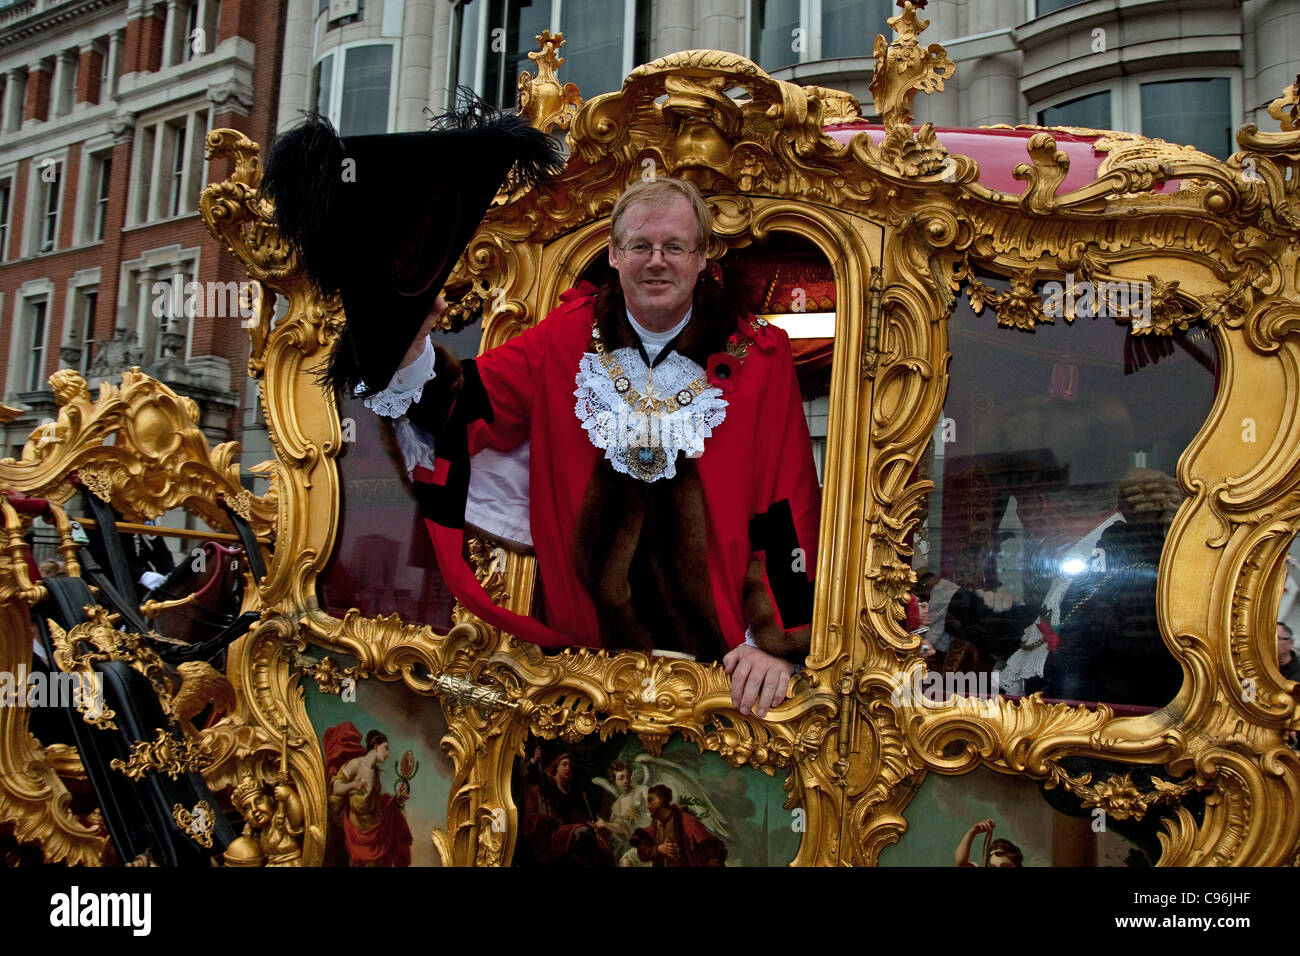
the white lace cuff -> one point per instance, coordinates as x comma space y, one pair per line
406, 387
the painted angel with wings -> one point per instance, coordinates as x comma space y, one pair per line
625, 811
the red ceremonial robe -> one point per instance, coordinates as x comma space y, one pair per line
761, 498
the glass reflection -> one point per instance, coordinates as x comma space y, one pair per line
1053, 466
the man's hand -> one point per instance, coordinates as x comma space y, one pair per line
758, 679
416, 348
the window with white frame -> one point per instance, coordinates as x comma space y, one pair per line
103, 183
168, 166
176, 167
1184, 107
358, 95
49, 178
491, 40
6, 202
195, 30
84, 330
94, 195
34, 339
162, 300
785, 32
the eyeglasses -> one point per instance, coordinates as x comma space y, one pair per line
672, 251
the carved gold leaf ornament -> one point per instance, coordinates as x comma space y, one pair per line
163, 754
546, 102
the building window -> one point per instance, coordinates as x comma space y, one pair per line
603, 47
785, 32
168, 165
342, 11
358, 98
777, 33
188, 51
104, 180
49, 175
850, 27
86, 327
6, 189
176, 170
1191, 112
492, 40
1088, 112
1044, 7
164, 302
36, 346
1187, 110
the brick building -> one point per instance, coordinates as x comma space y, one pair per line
104, 107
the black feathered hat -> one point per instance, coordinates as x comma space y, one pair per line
383, 219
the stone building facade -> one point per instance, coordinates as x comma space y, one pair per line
104, 109
1171, 68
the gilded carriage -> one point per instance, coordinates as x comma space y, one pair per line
976, 416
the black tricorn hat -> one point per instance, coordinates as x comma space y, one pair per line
383, 219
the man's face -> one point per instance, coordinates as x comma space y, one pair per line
653, 803
658, 289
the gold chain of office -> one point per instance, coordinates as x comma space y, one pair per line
650, 402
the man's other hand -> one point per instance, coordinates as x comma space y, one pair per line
758, 680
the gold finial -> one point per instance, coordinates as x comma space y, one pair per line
903, 68
1286, 108
544, 100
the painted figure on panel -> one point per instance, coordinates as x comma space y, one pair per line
374, 829
624, 810
558, 820
676, 837
996, 852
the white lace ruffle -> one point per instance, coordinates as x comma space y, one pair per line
406, 387
640, 444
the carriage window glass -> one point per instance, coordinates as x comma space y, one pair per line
1054, 468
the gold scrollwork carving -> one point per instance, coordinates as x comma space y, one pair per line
164, 754
196, 825
546, 102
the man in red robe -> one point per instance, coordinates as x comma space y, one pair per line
675, 506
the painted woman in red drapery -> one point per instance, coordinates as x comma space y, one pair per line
374, 828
